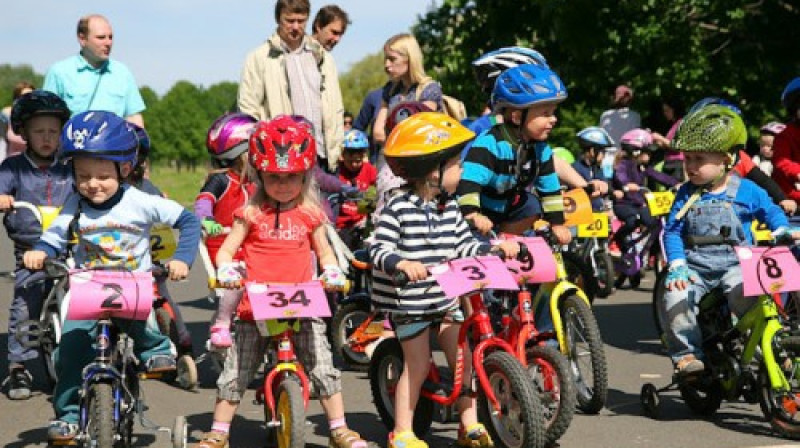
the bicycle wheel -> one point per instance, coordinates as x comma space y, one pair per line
703, 396
556, 388
585, 353
580, 273
291, 414
100, 427
48, 342
605, 275
779, 406
346, 320
520, 423
384, 372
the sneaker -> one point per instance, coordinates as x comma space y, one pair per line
613, 249
213, 439
220, 337
20, 383
475, 436
689, 365
59, 430
160, 363
405, 439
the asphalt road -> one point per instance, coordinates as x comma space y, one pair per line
634, 357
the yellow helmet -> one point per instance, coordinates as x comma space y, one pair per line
421, 142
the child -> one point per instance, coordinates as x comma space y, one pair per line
112, 221
226, 189
506, 160
277, 232
420, 226
713, 199
593, 142
34, 176
354, 170
630, 174
764, 157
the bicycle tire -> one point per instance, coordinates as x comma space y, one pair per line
340, 332
48, 345
580, 273
703, 397
291, 414
605, 274
514, 390
581, 326
553, 382
101, 427
384, 371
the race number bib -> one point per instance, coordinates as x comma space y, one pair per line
162, 242
467, 275
98, 294
767, 270
577, 207
659, 203
539, 267
598, 228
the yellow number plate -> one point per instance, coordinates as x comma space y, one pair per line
598, 228
162, 242
761, 232
659, 203
49, 213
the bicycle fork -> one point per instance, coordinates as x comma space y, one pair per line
286, 362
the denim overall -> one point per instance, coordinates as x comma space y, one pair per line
715, 266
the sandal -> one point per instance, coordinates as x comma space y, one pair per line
220, 337
475, 436
346, 438
213, 439
405, 439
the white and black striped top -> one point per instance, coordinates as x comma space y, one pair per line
412, 229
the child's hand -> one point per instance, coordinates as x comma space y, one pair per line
619, 194
178, 270
6, 202
600, 188
415, 270
211, 226
679, 276
509, 247
333, 278
788, 206
632, 187
562, 234
34, 259
229, 276
481, 223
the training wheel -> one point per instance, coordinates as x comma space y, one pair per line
186, 372
649, 400
180, 431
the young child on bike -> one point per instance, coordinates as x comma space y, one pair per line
226, 189
593, 142
421, 225
354, 170
513, 156
279, 231
631, 173
764, 157
35, 176
712, 200
112, 222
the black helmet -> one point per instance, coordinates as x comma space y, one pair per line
36, 103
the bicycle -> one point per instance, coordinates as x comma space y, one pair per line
110, 395
756, 357
592, 244
507, 400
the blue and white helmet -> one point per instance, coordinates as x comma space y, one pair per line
490, 65
594, 137
355, 140
526, 85
791, 94
100, 135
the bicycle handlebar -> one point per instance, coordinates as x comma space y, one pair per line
400, 278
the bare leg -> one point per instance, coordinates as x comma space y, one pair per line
416, 363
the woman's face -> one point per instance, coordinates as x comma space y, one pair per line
394, 63
669, 112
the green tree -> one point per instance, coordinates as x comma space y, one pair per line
363, 76
10, 75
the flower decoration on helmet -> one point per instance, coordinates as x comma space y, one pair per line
284, 144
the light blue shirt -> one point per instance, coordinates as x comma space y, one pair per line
75, 80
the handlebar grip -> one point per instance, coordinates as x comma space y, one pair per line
707, 240
400, 279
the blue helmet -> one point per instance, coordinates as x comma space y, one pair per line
709, 100
144, 141
594, 137
101, 135
490, 65
523, 86
355, 139
791, 94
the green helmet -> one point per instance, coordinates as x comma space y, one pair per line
713, 128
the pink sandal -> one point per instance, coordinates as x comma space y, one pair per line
220, 337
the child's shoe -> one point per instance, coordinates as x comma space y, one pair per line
220, 337
613, 249
476, 436
160, 363
405, 439
346, 438
20, 383
61, 431
213, 439
689, 365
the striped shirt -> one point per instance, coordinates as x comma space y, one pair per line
410, 228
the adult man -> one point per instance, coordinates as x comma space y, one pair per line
91, 80
329, 26
291, 73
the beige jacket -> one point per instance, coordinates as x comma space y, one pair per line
264, 90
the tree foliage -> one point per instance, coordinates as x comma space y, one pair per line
742, 50
365, 75
10, 75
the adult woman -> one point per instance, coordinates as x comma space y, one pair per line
408, 81
15, 143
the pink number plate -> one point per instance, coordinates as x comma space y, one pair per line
767, 270
98, 294
466, 275
540, 267
287, 301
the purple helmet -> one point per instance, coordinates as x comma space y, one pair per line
228, 136
773, 128
636, 140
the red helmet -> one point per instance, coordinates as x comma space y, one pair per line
403, 110
284, 144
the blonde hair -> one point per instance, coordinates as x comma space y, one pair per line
406, 45
309, 199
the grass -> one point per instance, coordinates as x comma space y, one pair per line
180, 186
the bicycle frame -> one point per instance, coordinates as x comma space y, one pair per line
286, 364
763, 322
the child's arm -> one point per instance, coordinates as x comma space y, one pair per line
7, 187
478, 172
227, 271
332, 275
55, 239
680, 275
206, 200
189, 235
660, 177
548, 186
765, 210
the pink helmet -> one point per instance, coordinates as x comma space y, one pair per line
228, 136
636, 141
773, 128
